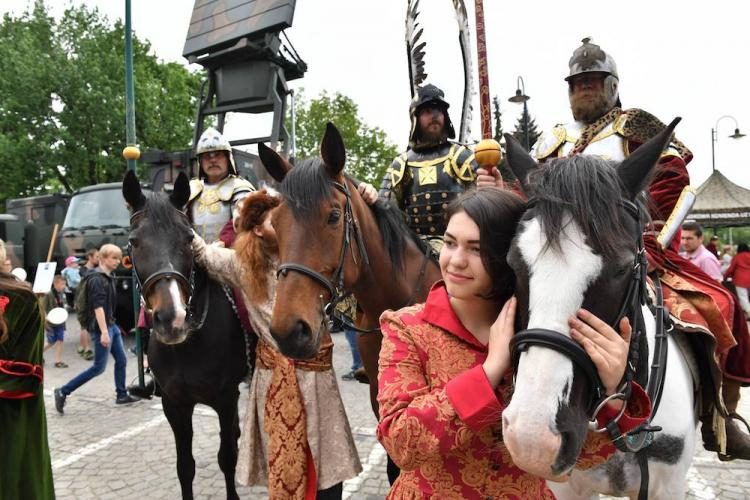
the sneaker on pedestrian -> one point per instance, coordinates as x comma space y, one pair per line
59, 401
60, 364
126, 400
348, 376
80, 350
88, 355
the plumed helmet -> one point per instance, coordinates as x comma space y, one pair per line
590, 58
428, 94
213, 140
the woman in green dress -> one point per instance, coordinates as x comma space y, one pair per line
25, 466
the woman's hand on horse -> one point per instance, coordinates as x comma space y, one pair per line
607, 349
489, 179
498, 345
368, 192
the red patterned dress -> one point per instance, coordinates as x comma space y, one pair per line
440, 420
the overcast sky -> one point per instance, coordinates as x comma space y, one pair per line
674, 59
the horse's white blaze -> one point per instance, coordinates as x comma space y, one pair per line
179, 307
557, 283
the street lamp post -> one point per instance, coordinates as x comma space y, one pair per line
521, 97
715, 137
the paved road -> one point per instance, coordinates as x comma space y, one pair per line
103, 451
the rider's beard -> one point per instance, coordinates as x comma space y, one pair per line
588, 106
427, 138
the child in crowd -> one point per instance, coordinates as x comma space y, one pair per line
55, 332
72, 276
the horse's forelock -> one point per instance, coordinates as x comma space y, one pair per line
589, 189
305, 187
162, 213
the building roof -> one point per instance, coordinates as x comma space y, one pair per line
720, 202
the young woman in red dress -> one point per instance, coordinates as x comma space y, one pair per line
445, 368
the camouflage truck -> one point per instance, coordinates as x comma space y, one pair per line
97, 215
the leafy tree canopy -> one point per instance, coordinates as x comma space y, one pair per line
368, 151
62, 100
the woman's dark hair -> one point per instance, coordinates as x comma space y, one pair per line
742, 247
497, 213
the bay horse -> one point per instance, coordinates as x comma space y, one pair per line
197, 348
580, 244
330, 241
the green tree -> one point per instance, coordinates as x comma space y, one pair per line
368, 151
520, 131
62, 100
498, 119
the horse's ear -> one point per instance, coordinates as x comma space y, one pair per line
634, 171
332, 150
520, 161
131, 191
273, 162
181, 192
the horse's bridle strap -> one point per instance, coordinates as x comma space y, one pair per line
322, 280
563, 344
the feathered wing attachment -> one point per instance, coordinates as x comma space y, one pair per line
414, 48
464, 40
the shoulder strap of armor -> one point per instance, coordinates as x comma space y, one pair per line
639, 126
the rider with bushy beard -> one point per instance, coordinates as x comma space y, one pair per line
433, 171
696, 301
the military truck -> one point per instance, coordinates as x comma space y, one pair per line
97, 215
31, 230
11, 232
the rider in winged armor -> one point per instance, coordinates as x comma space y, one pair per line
695, 300
215, 194
433, 171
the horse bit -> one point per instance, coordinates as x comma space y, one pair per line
636, 295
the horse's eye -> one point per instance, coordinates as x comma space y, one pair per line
334, 217
133, 242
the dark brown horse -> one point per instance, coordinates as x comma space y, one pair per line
197, 350
330, 241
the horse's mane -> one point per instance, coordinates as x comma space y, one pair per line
308, 184
589, 189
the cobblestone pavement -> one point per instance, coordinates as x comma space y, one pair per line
103, 451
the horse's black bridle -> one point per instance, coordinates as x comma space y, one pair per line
335, 285
187, 284
635, 297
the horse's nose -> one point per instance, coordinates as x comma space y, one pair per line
163, 317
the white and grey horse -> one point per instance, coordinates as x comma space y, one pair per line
579, 245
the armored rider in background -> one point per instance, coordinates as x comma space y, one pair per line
695, 300
215, 194
433, 171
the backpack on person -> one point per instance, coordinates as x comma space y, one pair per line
80, 302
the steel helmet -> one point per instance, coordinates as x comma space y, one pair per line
213, 140
590, 58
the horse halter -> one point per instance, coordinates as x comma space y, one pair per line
630, 307
167, 272
335, 285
